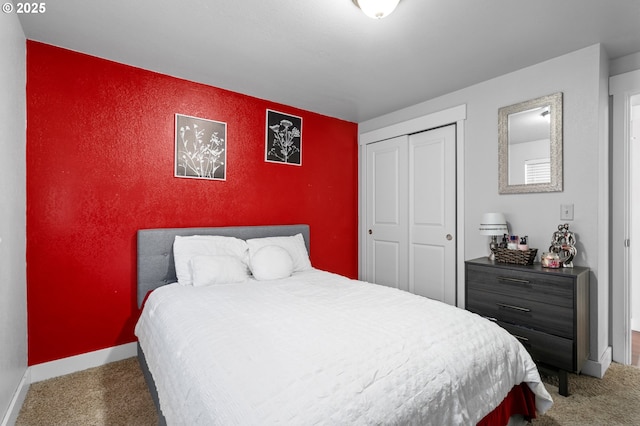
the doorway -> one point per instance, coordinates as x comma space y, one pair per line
634, 228
625, 214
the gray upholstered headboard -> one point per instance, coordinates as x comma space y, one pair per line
155, 249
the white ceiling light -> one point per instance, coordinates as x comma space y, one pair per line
377, 9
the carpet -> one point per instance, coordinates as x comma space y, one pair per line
116, 394
112, 394
613, 400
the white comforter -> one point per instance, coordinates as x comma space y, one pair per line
318, 348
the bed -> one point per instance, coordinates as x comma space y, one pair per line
291, 344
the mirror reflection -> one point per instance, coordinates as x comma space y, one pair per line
530, 146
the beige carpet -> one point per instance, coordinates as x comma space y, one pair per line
116, 394
113, 394
614, 400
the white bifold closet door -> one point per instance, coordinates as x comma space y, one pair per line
411, 213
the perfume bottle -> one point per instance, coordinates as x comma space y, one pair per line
523, 244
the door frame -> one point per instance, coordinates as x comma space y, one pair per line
621, 88
454, 115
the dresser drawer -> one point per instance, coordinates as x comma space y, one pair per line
547, 310
556, 320
541, 287
551, 350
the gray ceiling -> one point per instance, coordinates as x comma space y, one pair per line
328, 57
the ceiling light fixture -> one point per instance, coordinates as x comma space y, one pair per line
377, 9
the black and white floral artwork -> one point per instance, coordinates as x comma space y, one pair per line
201, 148
284, 138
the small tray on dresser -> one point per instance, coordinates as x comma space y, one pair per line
518, 257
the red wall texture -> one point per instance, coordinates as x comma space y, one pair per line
100, 158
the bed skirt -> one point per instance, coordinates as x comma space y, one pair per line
519, 401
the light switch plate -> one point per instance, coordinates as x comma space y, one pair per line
566, 212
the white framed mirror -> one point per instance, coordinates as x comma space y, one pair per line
530, 146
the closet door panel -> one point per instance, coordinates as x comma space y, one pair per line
387, 193
428, 181
386, 255
428, 278
432, 195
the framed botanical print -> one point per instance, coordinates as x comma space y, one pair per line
283, 138
200, 148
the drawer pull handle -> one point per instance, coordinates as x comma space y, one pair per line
523, 339
515, 308
513, 280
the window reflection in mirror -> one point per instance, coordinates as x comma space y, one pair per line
530, 146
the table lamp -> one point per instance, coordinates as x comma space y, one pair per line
493, 224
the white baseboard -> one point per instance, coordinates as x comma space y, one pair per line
11, 416
60, 367
598, 368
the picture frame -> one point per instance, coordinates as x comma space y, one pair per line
200, 148
283, 140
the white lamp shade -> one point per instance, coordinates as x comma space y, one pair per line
493, 224
377, 9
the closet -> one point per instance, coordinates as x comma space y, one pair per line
410, 213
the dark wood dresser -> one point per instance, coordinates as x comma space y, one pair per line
547, 310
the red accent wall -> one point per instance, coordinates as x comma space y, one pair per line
100, 155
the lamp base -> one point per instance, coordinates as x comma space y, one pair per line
493, 245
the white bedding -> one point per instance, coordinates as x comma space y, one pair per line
318, 348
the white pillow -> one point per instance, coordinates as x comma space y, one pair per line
210, 270
184, 248
293, 245
271, 263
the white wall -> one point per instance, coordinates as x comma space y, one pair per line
582, 77
13, 311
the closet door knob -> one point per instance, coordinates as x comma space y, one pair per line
449, 237
370, 232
